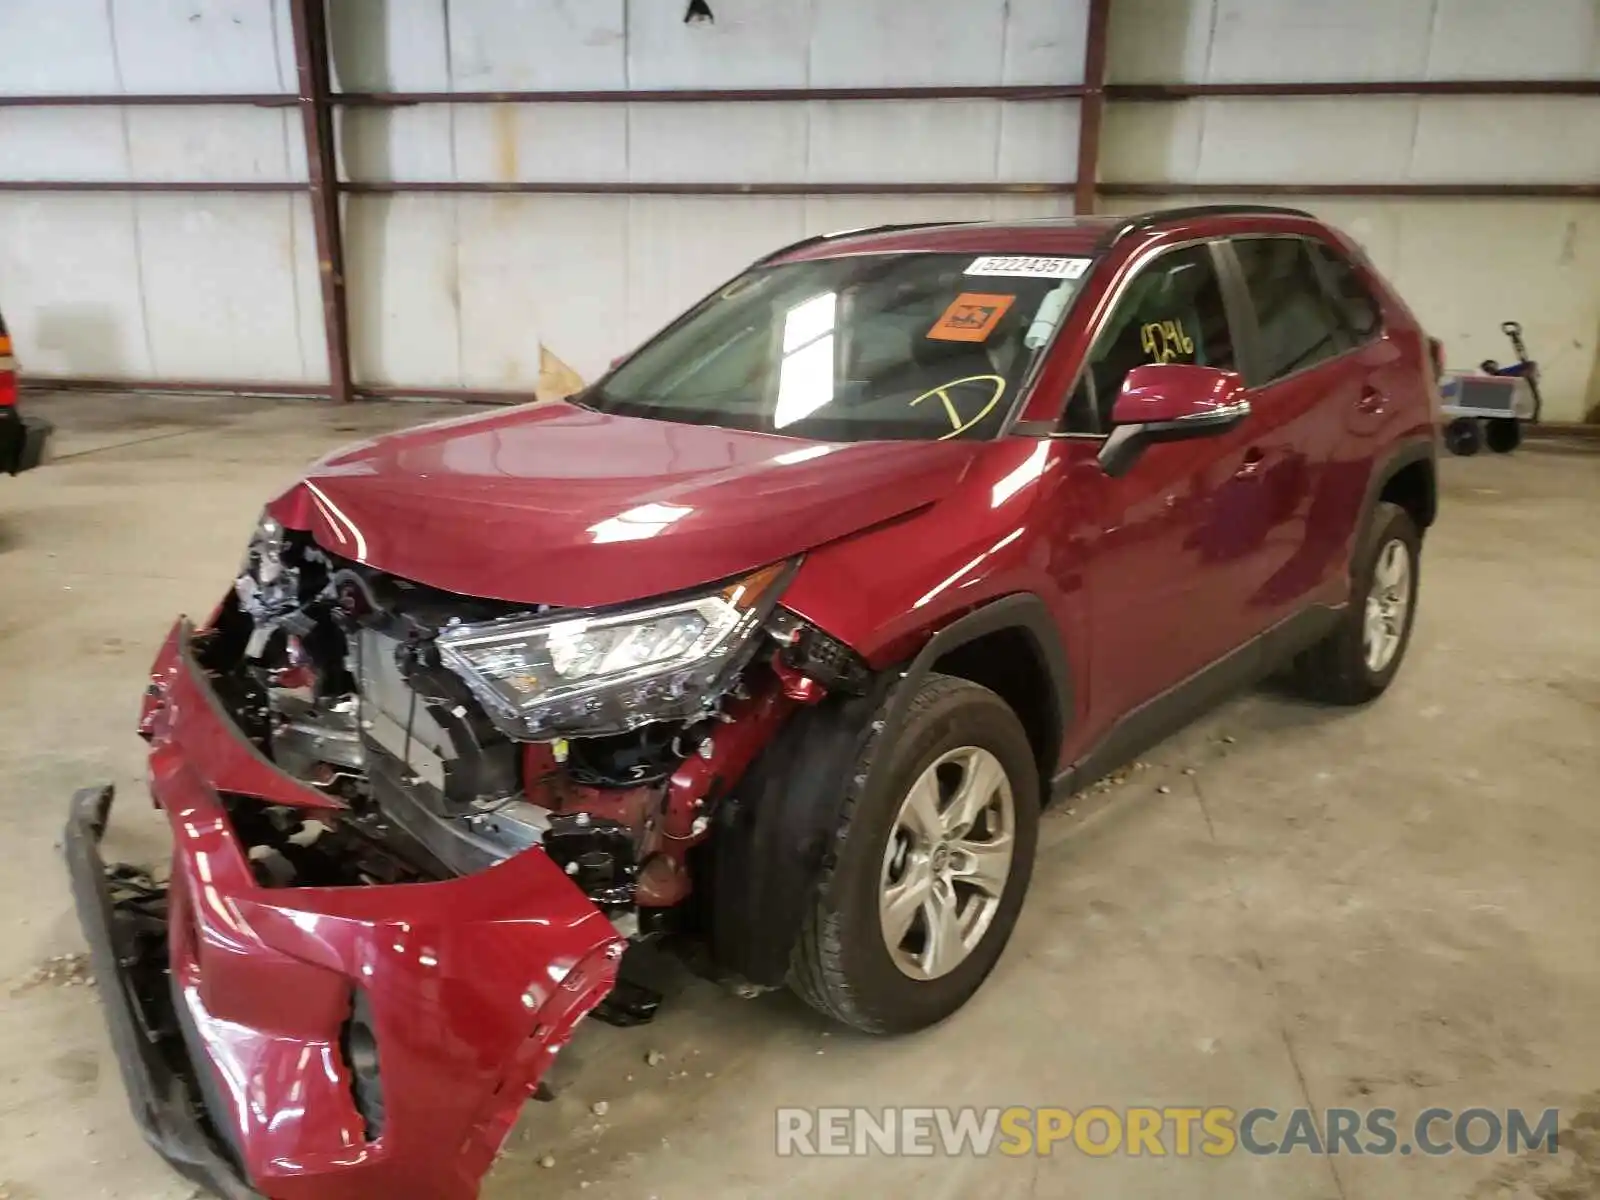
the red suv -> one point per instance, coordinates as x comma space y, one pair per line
771, 643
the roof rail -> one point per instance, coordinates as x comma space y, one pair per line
840, 233
1161, 216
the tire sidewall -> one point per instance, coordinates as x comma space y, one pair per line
969, 716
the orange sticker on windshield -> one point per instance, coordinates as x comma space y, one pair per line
971, 317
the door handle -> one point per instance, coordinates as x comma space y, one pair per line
1254, 460
1372, 401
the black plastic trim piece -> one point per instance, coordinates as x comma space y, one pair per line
1023, 611
1412, 452
1164, 715
22, 441
162, 1093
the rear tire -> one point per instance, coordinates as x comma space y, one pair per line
1360, 657
963, 753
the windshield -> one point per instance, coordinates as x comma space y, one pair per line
901, 346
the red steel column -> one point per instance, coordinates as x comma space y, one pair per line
316, 111
1093, 105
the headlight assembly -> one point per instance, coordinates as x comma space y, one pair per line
608, 672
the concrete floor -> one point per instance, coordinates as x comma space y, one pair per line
1387, 907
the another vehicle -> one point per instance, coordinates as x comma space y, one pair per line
22, 439
773, 642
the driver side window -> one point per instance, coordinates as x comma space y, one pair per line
1172, 311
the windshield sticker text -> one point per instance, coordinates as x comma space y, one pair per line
1027, 267
1166, 341
971, 317
952, 410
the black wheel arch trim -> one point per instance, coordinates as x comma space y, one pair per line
1022, 611
1398, 460
776, 830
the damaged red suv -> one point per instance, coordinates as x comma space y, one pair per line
772, 644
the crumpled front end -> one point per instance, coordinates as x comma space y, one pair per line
369, 1040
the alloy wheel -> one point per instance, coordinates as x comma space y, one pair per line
947, 862
1388, 600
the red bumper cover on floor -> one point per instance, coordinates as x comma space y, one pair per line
465, 988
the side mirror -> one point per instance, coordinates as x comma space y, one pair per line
1170, 402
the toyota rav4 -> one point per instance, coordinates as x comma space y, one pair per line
772, 644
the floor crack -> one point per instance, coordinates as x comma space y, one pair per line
1261, 969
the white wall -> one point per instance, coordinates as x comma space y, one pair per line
1464, 266
517, 291
200, 286
498, 291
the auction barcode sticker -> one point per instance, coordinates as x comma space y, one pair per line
1025, 266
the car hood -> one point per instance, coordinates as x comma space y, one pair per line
557, 504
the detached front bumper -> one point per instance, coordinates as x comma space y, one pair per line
313, 1043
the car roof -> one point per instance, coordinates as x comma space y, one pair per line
1043, 236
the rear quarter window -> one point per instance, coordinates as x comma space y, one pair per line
1299, 323
1357, 306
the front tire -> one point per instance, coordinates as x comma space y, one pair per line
930, 868
1360, 657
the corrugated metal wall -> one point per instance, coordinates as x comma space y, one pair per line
155, 286
518, 291
1463, 265
479, 291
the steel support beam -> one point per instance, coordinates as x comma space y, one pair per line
316, 112
1092, 108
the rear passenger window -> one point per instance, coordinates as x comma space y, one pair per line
1171, 311
1360, 311
1298, 322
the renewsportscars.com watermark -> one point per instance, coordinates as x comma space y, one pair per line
1214, 1132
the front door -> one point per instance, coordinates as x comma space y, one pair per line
1162, 555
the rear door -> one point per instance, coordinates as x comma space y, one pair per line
1389, 354
1306, 385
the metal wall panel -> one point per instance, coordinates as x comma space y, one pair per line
222, 144
1515, 39
70, 287
540, 276
715, 141
1371, 139
179, 46
389, 45
1217, 41
546, 141
200, 286
195, 143
54, 47
752, 44
404, 291
528, 45
62, 143
680, 247
482, 291
1313, 39
413, 143
219, 281
1550, 139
